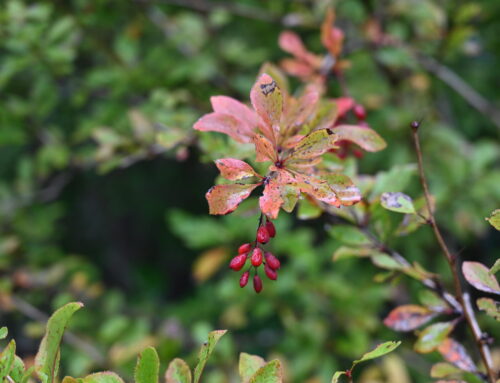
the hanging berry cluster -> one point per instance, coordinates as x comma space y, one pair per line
258, 256
292, 134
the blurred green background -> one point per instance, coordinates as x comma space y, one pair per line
102, 179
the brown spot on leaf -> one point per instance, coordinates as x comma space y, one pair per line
268, 88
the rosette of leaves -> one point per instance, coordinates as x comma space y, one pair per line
290, 133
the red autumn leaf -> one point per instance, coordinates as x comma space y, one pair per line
365, 137
299, 110
228, 105
224, 199
478, 276
271, 199
233, 169
224, 123
314, 144
455, 353
267, 100
317, 188
344, 104
297, 68
408, 317
264, 149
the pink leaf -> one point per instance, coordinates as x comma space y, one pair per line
267, 100
331, 37
478, 276
228, 105
264, 149
344, 104
408, 317
271, 200
455, 353
365, 137
297, 68
233, 169
301, 110
224, 199
224, 123
290, 42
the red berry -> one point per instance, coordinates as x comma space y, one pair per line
245, 248
238, 262
257, 284
271, 274
256, 257
359, 112
262, 235
244, 278
272, 261
271, 229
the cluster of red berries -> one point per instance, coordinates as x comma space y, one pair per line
257, 257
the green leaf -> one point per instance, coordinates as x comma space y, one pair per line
270, 373
494, 219
178, 372
431, 337
350, 235
490, 306
7, 359
102, 377
442, 370
248, 366
205, 352
17, 370
478, 276
148, 365
308, 210
377, 352
365, 137
395, 179
3, 332
46, 360
385, 261
398, 202
350, 252
337, 376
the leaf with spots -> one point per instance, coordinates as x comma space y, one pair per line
178, 372
7, 359
365, 137
224, 199
345, 190
398, 202
264, 149
47, 358
249, 365
271, 200
431, 337
206, 351
267, 100
478, 276
233, 169
270, 373
455, 353
408, 317
314, 144
494, 219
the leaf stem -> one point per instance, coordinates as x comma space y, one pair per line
462, 297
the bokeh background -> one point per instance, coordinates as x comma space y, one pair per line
102, 179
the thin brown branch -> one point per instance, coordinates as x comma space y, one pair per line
451, 259
74, 340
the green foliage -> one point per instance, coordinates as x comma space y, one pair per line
147, 368
205, 351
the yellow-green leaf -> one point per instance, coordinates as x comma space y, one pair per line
178, 372
147, 367
398, 202
249, 365
270, 373
494, 219
431, 337
381, 350
46, 360
7, 359
365, 137
205, 352
489, 306
478, 276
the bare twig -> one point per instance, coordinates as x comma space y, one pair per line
71, 338
452, 259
